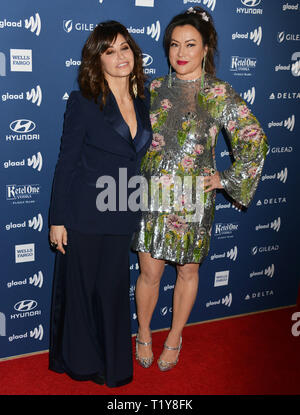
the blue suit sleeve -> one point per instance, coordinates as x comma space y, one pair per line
69, 156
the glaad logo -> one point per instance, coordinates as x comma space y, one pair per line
35, 95
288, 6
72, 62
154, 30
289, 123
231, 254
36, 161
294, 66
211, 4
255, 35
144, 3
36, 280
2, 64
33, 24
281, 176
282, 36
2, 324
227, 301
275, 225
37, 333
36, 222
269, 272
249, 95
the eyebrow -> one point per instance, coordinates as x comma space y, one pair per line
186, 41
111, 46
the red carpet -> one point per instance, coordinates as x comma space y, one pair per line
249, 355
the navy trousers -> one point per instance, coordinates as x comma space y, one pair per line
90, 331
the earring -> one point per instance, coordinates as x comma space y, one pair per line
170, 77
134, 86
203, 71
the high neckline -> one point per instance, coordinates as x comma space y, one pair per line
188, 81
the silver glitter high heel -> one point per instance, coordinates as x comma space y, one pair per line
164, 365
145, 362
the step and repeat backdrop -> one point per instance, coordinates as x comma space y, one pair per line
252, 264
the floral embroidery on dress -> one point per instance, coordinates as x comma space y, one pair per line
186, 120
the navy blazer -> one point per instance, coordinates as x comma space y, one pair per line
97, 143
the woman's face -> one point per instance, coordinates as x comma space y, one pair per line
186, 52
118, 59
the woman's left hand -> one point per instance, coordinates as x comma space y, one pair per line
212, 182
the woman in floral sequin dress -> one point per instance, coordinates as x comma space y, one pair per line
188, 109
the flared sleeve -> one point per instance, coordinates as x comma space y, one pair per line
249, 148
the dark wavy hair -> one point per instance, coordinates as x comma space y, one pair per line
91, 77
205, 28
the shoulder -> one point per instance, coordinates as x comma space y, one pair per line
221, 89
214, 82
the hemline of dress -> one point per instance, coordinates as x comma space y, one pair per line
155, 256
58, 369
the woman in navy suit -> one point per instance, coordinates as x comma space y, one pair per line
106, 133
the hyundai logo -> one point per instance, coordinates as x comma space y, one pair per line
22, 126
147, 59
251, 3
25, 305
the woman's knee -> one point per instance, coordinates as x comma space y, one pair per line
188, 273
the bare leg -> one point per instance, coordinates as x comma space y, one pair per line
147, 291
185, 293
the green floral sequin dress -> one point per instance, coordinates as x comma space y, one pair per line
186, 120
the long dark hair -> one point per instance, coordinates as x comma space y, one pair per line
91, 78
205, 26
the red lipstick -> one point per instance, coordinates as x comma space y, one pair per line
182, 62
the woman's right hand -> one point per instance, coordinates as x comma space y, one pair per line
58, 235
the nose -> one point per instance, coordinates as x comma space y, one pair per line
180, 51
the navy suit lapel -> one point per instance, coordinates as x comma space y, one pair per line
113, 115
146, 130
